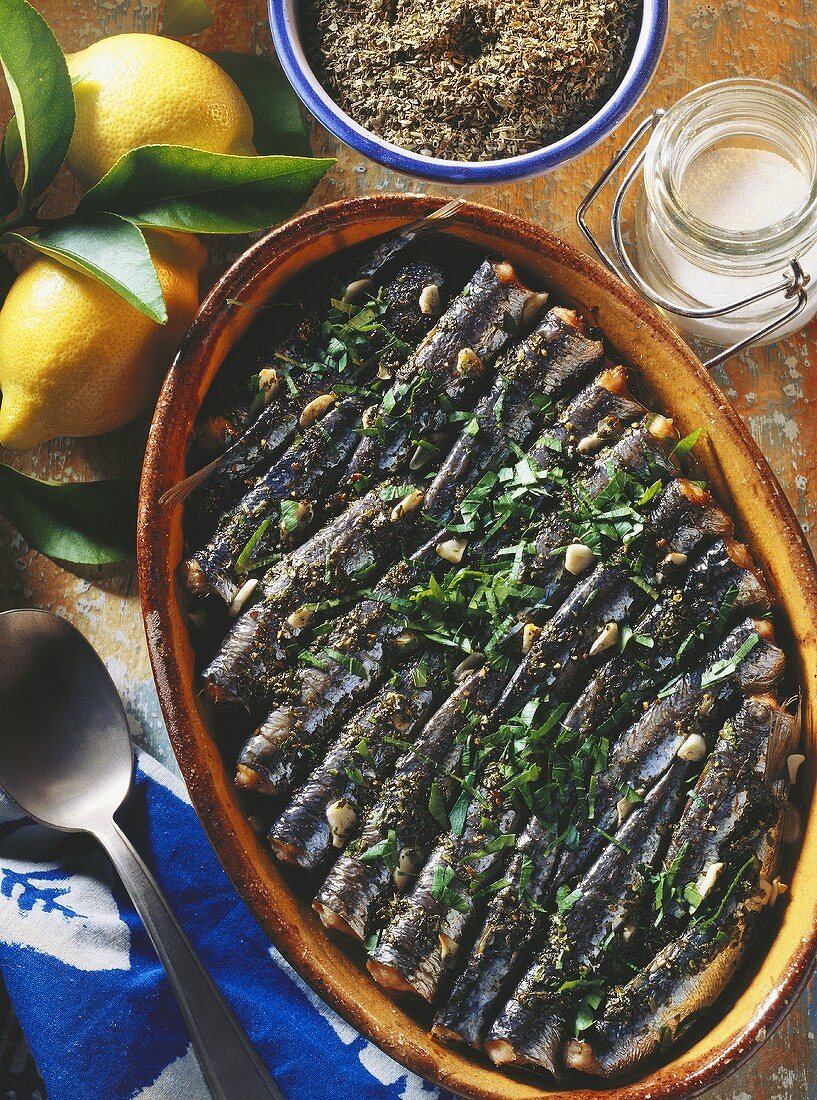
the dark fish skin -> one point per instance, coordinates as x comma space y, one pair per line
689, 974
329, 565
645, 751
412, 953
424, 936
267, 754
683, 613
292, 329
544, 365
385, 250
332, 564
607, 401
509, 926
561, 657
479, 319
396, 263
686, 978
471, 987
419, 944
509, 922
357, 891
641, 452
305, 472
302, 834
573, 628
530, 1028
355, 657
734, 798
276, 425
405, 319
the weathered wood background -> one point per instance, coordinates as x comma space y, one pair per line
773, 389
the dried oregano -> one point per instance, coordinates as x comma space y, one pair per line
470, 79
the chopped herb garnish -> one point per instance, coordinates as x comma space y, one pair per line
725, 668
442, 891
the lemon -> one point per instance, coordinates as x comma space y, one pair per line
142, 89
76, 358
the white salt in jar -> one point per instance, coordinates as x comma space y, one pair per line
728, 199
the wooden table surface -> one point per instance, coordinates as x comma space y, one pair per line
774, 389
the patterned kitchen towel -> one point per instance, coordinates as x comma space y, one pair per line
91, 995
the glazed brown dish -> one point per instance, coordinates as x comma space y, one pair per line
627, 557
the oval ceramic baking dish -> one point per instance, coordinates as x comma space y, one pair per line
736, 470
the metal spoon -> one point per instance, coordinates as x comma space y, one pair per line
66, 759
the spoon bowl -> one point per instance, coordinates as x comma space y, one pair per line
66, 759
65, 749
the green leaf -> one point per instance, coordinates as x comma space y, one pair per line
81, 523
566, 898
7, 276
685, 445
436, 806
245, 561
459, 812
9, 151
724, 668
173, 187
279, 127
442, 891
384, 849
40, 90
183, 17
107, 248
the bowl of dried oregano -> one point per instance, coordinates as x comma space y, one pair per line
469, 91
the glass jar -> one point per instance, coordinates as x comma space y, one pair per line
727, 198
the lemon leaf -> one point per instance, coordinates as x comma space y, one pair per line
183, 17
173, 187
9, 150
41, 93
80, 523
279, 127
108, 248
7, 277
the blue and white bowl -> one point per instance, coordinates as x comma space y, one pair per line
283, 17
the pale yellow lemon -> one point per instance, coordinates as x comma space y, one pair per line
142, 89
76, 358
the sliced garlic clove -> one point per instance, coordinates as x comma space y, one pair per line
794, 763
468, 362
693, 749
242, 595
316, 408
356, 291
533, 307
606, 638
268, 383
451, 550
300, 618
578, 557
341, 816
430, 301
676, 558
472, 662
409, 502
707, 878
409, 862
530, 633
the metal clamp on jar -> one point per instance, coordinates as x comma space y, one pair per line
725, 217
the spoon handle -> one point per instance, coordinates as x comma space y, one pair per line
229, 1062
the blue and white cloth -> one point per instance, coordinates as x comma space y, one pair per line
91, 995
